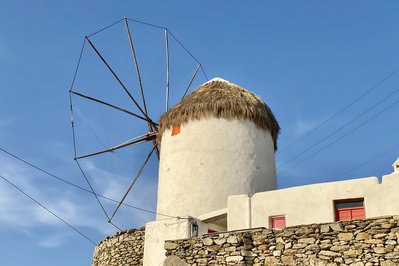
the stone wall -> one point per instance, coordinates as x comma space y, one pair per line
124, 248
357, 243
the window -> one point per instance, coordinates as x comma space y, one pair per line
175, 130
277, 222
349, 209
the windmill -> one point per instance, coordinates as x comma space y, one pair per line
134, 93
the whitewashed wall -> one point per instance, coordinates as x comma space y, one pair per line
208, 161
314, 203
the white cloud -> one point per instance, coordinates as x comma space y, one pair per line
78, 208
53, 241
302, 127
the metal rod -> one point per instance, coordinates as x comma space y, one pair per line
191, 81
157, 151
177, 40
147, 137
136, 65
146, 23
109, 26
167, 68
132, 184
111, 105
117, 78
150, 126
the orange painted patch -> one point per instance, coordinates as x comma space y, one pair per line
175, 130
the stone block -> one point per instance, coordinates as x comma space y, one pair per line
232, 240
234, 258
363, 236
207, 241
345, 236
170, 245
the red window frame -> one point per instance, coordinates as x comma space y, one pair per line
277, 222
353, 211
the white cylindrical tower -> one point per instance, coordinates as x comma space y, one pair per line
218, 141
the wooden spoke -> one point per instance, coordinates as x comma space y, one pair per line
133, 182
117, 78
167, 68
191, 81
150, 125
111, 105
141, 139
136, 65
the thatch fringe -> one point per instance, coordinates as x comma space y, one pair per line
221, 99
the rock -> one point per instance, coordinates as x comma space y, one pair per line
234, 258
329, 253
247, 253
380, 250
392, 255
280, 240
358, 263
374, 241
271, 261
202, 261
214, 248
280, 246
388, 263
220, 241
345, 236
230, 249
339, 248
288, 260
207, 241
309, 240
386, 225
380, 235
336, 227
232, 240
174, 261
325, 228
277, 253
363, 236
299, 246
170, 245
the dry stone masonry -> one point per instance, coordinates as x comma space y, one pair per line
356, 243
123, 248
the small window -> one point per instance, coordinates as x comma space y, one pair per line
175, 130
349, 209
277, 222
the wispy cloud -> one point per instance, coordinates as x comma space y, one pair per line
53, 241
302, 126
78, 208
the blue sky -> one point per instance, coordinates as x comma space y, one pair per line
306, 59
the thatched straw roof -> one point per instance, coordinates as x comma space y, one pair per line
221, 99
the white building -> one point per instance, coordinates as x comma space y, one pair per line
217, 172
